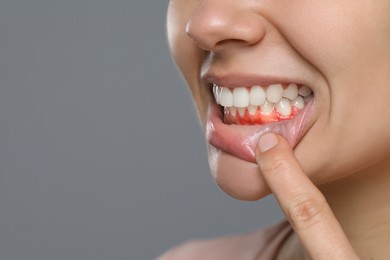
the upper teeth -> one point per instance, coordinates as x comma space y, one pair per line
266, 97
257, 96
274, 93
240, 97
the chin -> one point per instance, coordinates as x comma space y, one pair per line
238, 178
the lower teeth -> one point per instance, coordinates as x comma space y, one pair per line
266, 113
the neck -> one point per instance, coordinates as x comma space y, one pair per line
361, 203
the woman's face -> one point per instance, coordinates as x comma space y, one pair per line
244, 62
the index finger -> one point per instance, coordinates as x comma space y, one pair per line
302, 203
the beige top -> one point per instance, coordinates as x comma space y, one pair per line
263, 244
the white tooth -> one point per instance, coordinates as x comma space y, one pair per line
241, 111
298, 102
240, 97
267, 108
304, 91
284, 107
274, 93
291, 92
233, 111
252, 110
257, 96
217, 94
226, 97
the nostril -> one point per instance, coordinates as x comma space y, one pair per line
230, 42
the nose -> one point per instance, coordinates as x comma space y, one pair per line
217, 22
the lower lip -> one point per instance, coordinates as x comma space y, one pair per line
241, 140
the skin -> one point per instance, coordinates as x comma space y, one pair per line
341, 167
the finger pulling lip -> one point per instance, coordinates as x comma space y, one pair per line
241, 140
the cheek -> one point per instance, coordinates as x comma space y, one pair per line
180, 44
354, 126
336, 37
353, 146
187, 56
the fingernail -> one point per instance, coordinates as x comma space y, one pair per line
267, 141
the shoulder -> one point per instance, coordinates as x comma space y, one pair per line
262, 244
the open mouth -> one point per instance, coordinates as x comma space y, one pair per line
259, 105
241, 115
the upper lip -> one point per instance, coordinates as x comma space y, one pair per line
233, 80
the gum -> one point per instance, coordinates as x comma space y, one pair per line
258, 118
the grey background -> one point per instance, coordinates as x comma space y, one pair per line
101, 154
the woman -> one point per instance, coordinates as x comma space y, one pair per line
294, 97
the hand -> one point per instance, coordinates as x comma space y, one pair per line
303, 204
